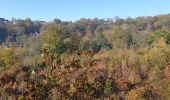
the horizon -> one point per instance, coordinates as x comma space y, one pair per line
74, 10
10, 19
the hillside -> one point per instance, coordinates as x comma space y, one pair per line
100, 59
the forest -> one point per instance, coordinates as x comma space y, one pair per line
88, 59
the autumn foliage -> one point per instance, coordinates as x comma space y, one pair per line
71, 68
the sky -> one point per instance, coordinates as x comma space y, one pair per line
72, 10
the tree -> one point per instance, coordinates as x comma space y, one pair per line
100, 42
154, 37
53, 41
57, 21
73, 42
119, 38
29, 26
19, 26
2, 26
7, 57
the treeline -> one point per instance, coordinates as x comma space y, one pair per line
141, 25
9, 30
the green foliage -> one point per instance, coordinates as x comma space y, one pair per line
7, 57
109, 87
95, 46
120, 38
73, 43
153, 37
53, 40
166, 90
103, 42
